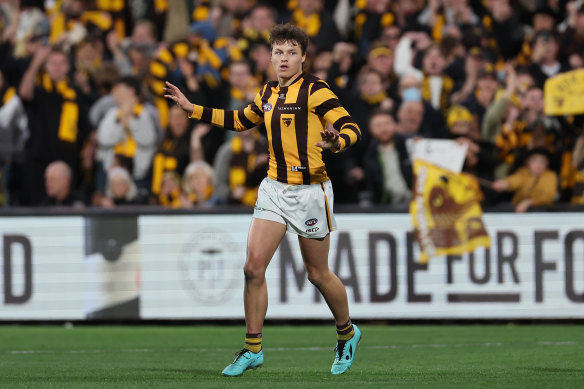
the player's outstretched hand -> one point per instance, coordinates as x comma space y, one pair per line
171, 92
330, 140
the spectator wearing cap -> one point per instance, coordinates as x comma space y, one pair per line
57, 117
380, 58
128, 130
532, 185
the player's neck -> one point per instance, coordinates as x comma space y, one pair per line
287, 81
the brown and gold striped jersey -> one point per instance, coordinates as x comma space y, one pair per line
294, 116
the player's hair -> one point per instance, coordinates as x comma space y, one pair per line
282, 33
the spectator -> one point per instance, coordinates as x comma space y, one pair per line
242, 86
317, 22
198, 186
532, 185
57, 118
121, 189
256, 27
388, 169
170, 194
410, 115
13, 135
58, 184
480, 155
410, 89
128, 130
240, 166
544, 59
484, 94
436, 85
173, 153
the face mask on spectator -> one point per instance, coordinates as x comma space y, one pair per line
412, 94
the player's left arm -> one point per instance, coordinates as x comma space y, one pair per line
327, 105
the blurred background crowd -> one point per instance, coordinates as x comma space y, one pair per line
83, 121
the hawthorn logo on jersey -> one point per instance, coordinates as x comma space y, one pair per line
311, 222
267, 107
287, 121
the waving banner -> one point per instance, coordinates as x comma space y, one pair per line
563, 93
445, 211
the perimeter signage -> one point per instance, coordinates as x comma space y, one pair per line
191, 267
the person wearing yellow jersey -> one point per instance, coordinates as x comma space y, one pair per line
297, 194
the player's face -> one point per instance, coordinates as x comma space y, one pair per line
287, 59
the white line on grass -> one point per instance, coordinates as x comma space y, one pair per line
288, 349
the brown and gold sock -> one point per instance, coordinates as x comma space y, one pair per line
345, 331
253, 342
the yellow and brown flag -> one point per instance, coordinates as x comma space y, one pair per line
446, 212
563, 93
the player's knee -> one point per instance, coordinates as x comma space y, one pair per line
317, 277
253, 271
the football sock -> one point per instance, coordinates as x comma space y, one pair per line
253, 342
345, 331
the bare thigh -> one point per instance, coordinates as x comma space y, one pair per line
262, 241
315, 253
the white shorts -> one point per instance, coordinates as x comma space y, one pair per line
306, 210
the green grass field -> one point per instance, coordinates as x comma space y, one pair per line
418, 356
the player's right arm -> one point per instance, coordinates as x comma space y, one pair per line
240, 120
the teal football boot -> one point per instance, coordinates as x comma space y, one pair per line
345, 353
244, 360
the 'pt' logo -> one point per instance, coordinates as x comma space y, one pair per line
287, 121
267, 107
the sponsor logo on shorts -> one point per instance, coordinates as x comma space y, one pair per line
313, 229
267, 107
298, 168
311, 222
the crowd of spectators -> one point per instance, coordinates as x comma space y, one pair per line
83, 121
